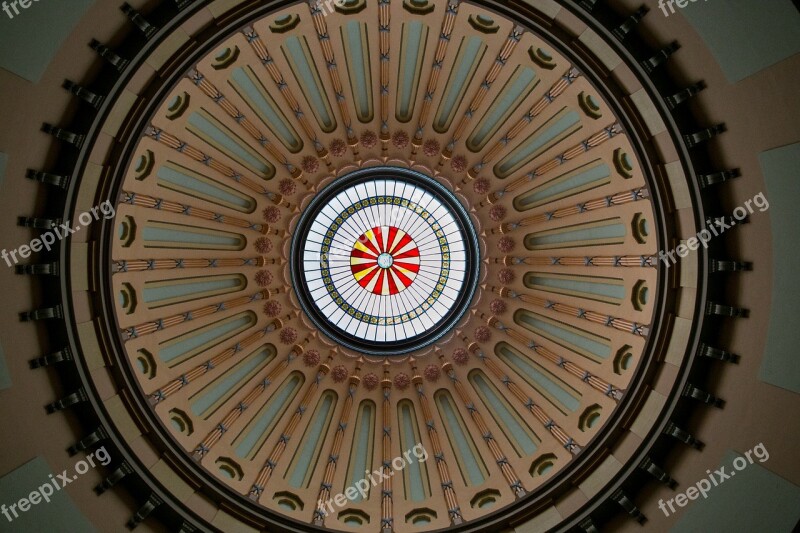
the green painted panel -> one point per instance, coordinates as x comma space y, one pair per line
551, 387
607, 232
182, 290
361, 459
301, 62
746, 36
594, 174
60, 514
157, 235
780, 366
509, 422
182, 179
223, 139
354, 35
5, 376
30, 40
560, 126
415, 40
755, 500
584, 286
247, 84
460, 440
570, 336
469, 57
268, 417
183, 346
308, 455
408, 439
516, 90
3, 164
221, 389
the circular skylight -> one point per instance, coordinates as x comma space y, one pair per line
385, 260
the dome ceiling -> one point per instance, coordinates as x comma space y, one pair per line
343, 233
274, 123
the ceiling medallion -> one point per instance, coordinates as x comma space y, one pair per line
385, 261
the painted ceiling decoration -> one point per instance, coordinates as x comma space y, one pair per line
385, 266
341, 233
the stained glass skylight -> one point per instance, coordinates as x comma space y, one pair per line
385, 258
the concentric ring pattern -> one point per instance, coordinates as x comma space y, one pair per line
250, 360
385, 260
342, 233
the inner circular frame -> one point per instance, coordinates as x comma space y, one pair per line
432, 334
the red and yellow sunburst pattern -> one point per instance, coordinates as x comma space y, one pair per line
385, 260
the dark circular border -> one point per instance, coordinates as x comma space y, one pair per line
168, 17
471, 246
524, 508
